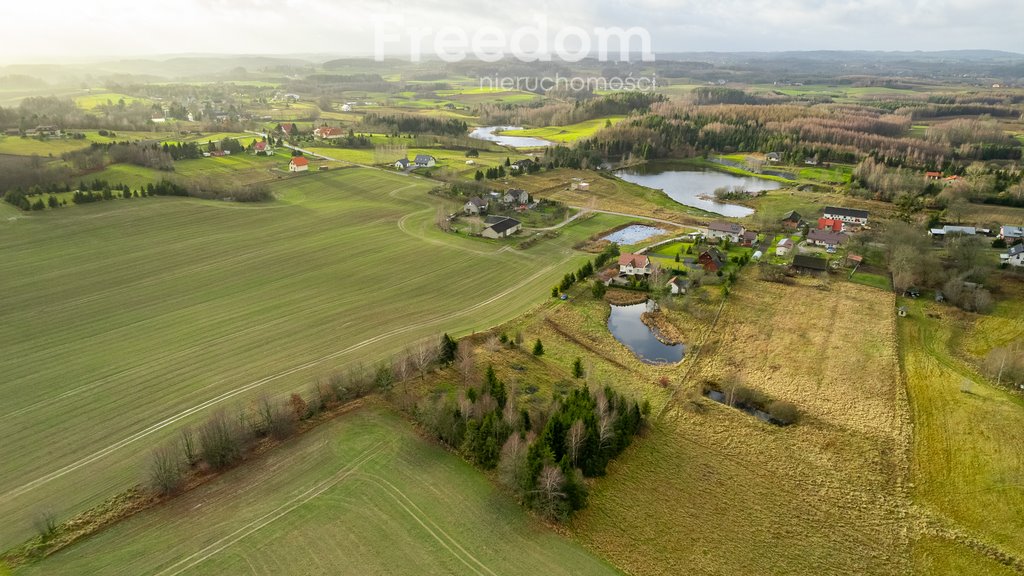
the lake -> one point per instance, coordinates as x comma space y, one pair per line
488, 133
696, 188
625, 324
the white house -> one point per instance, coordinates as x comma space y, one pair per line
298, 164
723, 229
953, 231
1011, 232
346, 107
328, 133
847, 215
1015, 257
424, 161
783, 247
634, 264
402, 164
677, 285
475, 205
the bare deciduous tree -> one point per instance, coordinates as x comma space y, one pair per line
574, 439
549, 492
165, 469
465, 360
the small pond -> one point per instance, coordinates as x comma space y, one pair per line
761, 415
625, 324
633, 234
696, 188
489, 133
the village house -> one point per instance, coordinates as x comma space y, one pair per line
475, 205
723, 229
783, 247
262, 149
402, 164
346, 107
847, 215
748, 238
1015, 256
634, 264
773, 157
678, 285
516, 196
826, 238
298, 164
809, 263
712, 260
501, 227
425, 161
287, 128
792, 220
328, 133
1011, 233
47, 131
831, 225
12, 132
521, 165
932, 175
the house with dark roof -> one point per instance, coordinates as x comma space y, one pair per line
809, 263
521, 165
1014, 256
826, 238
424, 161
501, 227
712, 260
475, 205
783, 247
634, 264
773, 157
748, 238
723, 229
1010, 233
792, 220
847, 215
402, 164
516, 196
678, 285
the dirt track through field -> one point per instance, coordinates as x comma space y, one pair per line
281, 511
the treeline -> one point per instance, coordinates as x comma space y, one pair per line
562, 113
396, 124
542, 455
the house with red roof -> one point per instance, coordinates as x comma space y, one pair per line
634, 264
262, 149
328, 133
830, 225
298, 164
932, 175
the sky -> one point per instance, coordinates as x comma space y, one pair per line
49, 30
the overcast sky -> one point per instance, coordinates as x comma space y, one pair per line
45, 29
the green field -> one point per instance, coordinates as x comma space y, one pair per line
21, 146
968, 443
362, 494
569, 133
143, 315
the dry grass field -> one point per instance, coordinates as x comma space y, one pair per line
724, 493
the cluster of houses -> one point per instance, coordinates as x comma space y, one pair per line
498, 226
420, 161
736, 233
1014, 237
43, 131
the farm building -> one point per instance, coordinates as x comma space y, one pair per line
809, 263
425, 161
298, 164
953, 231
723, 229
634, 264
502, 228
829, 224
783, 247
847, 215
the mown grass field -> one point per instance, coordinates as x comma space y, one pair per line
969, 439
124, 321
362, 494
569, 133
20, 146
712, 490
